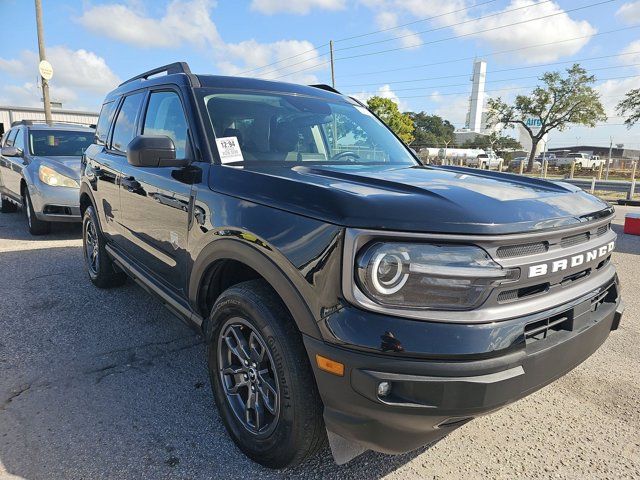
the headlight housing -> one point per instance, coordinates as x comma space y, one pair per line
49, 176
428, 276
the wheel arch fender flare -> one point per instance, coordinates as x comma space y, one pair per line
232, 249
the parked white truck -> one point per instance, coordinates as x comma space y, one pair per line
486, 161
583, 160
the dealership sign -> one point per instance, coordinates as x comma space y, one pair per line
534, 124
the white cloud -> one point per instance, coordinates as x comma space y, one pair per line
76, 73
452, 13
190, 23
631, 53
384, 91
551, 29
629, 13
183, 22
299, 7
251, 54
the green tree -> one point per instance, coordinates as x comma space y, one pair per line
562, 100
499, 143
630, 106
387, 110
431, 130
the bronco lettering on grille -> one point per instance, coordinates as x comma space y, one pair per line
570, 262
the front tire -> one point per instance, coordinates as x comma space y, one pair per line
261, 378
35, 225
102, 271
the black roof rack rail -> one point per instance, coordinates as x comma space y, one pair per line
21, 122
55, 122
328, 88
176, 67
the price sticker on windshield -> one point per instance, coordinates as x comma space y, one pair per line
229, 150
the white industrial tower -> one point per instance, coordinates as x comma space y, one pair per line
476, 102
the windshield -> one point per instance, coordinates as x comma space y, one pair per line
59, 143
275, 128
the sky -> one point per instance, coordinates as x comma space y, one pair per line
416, 52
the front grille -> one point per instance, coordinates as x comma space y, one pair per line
565, 321
543, 328
603, 229
574, 240
519, 293
525, 249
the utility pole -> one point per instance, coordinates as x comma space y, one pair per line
333, 72
45, 81
606, 177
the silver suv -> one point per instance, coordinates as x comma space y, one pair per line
40, 172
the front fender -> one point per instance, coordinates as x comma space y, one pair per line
237, 249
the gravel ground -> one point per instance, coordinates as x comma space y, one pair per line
107, 384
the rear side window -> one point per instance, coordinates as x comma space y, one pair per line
104, 122
125, 127
165, 116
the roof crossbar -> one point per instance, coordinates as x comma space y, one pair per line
176, 67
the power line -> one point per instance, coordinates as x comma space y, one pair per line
446, 38
481, 31
502, 52
504, 89
288, 58
416, 21
364, 35
494, 81
575, 60
471, 20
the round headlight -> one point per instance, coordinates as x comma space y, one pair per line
388, 273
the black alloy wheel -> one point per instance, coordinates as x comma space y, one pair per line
248, 374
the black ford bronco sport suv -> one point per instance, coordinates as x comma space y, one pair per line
344, 290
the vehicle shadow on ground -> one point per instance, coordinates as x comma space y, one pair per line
108, 384
13, 226
626, 243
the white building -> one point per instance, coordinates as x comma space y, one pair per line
476, 120
476, 102
9, 114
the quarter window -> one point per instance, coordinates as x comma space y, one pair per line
165, 116
125, 127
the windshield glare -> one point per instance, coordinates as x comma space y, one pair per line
59, 143
274, 128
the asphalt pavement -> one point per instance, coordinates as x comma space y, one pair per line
108, 384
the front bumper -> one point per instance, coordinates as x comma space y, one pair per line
55, 204
432, 395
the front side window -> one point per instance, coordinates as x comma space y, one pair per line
293, 128
104, 122
19, 141
126, 122
11, 136
59, 143
165, 116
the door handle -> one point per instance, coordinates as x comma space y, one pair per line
131, 184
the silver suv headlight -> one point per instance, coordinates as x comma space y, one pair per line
49, 176
428, 276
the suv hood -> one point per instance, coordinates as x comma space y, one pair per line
69, 166
416, 199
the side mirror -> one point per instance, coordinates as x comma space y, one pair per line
11, 152
153, 151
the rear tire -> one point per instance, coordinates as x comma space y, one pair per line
102, 271
292, 425
35, 225
7, 206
